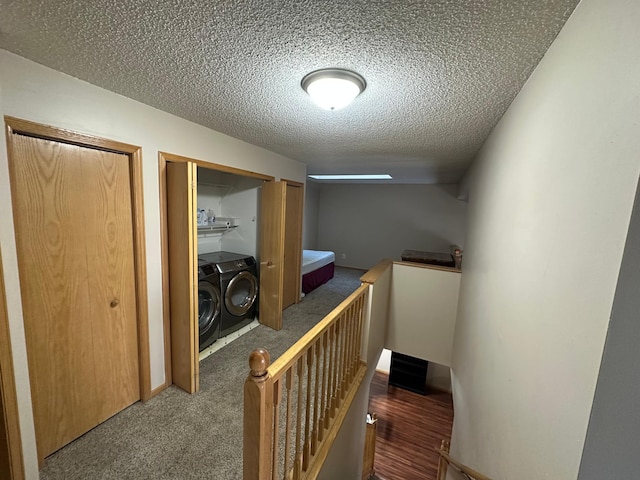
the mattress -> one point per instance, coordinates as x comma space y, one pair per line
317, 269
315, 259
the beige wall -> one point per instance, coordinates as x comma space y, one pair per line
549, 206
376, 329
33, 92
422, 312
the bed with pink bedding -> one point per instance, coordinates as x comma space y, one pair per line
317, 268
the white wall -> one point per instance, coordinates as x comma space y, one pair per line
33, 92
242, 203
369, 222
209, 198
235, 196
310, 222
550, 200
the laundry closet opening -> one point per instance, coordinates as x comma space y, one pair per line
227, 246
225, 233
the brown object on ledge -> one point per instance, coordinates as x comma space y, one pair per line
431, 258
456, 253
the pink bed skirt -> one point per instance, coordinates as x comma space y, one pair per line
312, 280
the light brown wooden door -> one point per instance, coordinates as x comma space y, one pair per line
5, 465
292, 245
183, 273
74, 238
272, 217
5, 459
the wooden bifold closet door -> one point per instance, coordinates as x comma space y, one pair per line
280, 249
292, 245
74, 236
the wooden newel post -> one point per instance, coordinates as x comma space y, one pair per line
258, 418
442, 462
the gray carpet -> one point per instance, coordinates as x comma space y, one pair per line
180, 436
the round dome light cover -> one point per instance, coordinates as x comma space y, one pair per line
333, 88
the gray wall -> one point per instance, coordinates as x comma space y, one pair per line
364, 223
611, 448
345, 457
310, 222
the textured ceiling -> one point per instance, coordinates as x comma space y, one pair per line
439, 74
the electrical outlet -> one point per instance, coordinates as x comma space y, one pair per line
344, 255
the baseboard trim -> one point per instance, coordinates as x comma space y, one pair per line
158, 390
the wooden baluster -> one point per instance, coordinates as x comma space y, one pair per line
347, 348
258, 418
325, 385
335, 392
350, 334
287, 431
339, 363
331, 361
359, 327
277, 397
442, 462
358, 332
307, 424
330, 380
343, 357
297, 465
316, 402
349, 353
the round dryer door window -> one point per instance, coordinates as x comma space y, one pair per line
241, 293
208, 307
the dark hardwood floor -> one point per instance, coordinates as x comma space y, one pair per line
409, 427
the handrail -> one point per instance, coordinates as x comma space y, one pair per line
371, 276
446, 459
287, 359
301, 399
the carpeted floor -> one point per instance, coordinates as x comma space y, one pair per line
180, 436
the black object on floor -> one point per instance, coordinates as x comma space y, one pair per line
408, 372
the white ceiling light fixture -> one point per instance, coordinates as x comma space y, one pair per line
333, 88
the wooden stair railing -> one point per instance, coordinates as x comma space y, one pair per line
446, 460
293, 409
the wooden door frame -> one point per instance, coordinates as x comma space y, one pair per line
134, 153
8, 393
293, 183
163, 159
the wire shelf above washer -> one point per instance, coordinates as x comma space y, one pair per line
221, 229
